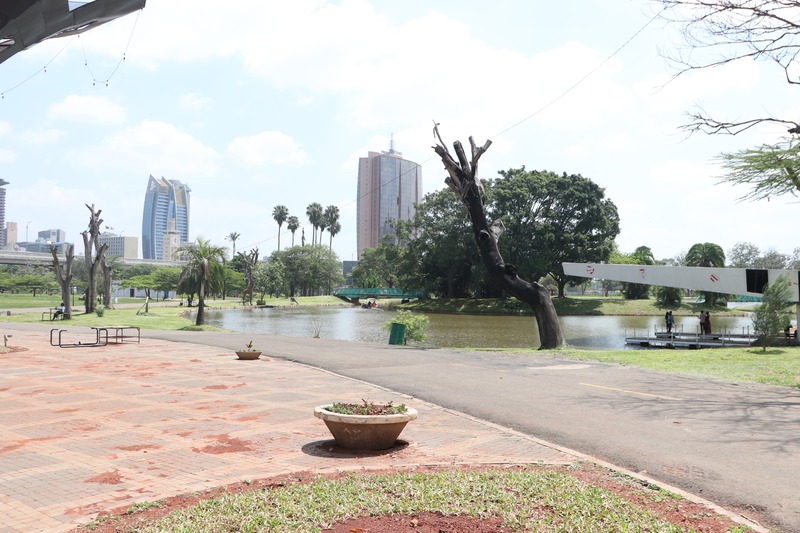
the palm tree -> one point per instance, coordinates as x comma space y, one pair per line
314, 214
292, 224
333, 230
279, 213
204, 272
233, 237
706, 255
331, 217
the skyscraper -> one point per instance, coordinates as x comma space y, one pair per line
388, 188
166, 212
3, 228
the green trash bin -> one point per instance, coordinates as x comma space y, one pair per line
397, 335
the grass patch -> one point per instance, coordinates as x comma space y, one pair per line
775, 366
540, 499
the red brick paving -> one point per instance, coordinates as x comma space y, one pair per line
88, 429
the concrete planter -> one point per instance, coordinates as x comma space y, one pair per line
365, 432
248, 354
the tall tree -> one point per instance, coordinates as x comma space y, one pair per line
550, 219
440, 252
233, 237
292, 224
203, 271
463, 179
64, 276
331, 218
314, 213
734, 30
94, 257
280, 213
743, 255
333, 231
706, 255
771, 317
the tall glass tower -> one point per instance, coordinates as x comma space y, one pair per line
165, 218
388, 188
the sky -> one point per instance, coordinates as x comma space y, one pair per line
256, 103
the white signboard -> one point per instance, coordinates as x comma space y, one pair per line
722, 280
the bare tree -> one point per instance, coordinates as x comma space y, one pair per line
463, 179
91, 243
733, 30
64, 276
249, 262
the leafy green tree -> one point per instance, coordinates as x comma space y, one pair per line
440, 252
638, 291
280, 213
772, 259
707, 255
270, 278
314, 213
415, 325
768, 171
292, 224
743, 255
380, 266
145, 282
668, 296
204, 272
166, 279
772, 315
310, 270
550, 219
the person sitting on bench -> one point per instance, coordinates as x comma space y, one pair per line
59, 311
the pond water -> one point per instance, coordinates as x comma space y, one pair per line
452, 331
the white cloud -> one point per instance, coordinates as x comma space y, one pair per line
42, 137
267, 147
5, 128
7, 156
89, 109
153, 147
194, 101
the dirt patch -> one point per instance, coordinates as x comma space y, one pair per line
680, 512
225, 444
106, 478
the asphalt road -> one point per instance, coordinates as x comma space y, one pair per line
735, 444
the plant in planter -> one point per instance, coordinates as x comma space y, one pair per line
366, 425
249, 352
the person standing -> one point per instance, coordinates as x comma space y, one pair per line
669, 320
707, 324
702, 318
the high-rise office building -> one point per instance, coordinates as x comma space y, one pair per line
53, 235
166, 213
10, 234
3, 240
388, 188
119, 246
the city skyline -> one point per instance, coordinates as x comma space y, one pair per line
280, 105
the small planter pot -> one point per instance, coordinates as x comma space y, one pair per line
365, 432
248, 354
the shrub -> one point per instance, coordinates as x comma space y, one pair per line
415, 324
100, 310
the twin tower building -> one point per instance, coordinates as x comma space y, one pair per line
388, 188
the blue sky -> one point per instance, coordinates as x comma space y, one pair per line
256, 103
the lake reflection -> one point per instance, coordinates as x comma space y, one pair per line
450, 331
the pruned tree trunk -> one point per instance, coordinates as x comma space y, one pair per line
91, 243
463, 179
64, 277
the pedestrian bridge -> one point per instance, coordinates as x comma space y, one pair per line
353, 295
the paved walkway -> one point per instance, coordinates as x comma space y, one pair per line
94, 428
